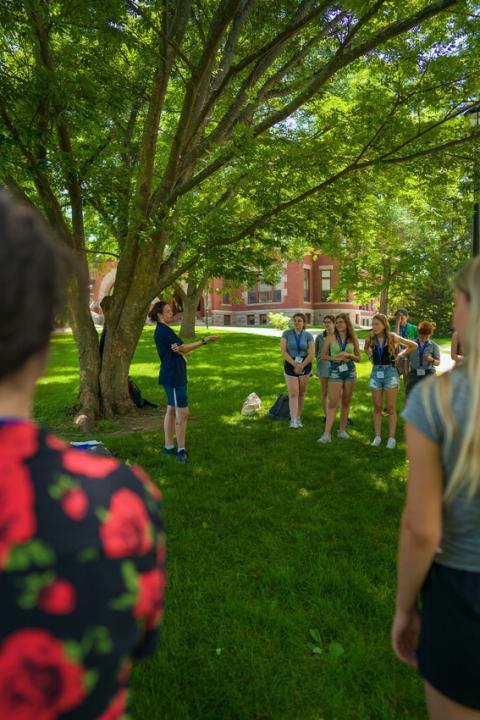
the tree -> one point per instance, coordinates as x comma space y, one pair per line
136, 113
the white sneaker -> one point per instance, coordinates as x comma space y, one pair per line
326, 438
294, 423
344, 435
299, 422
391, 443
377, 440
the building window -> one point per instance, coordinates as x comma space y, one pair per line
277, 294
252, 296
306, 285
309, 318
250, 319
326, 284
226, 298
227, 319
263, 319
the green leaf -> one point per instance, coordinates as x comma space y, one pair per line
317, 650
87, 555
335, 649
33, 553
73, 650
315, 635
124, 602
90, 679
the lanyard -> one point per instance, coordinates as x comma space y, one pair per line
380, 348
403, 331
297, 340
421, 350
341, 345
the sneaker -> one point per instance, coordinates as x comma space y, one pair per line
293, 423
385, 412
377, 440
169, 451
349, 422
391, 443
182, 456
299, 422
326, 438
344, 435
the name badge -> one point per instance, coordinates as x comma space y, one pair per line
380, 374
420, 371
343, 367
299, 359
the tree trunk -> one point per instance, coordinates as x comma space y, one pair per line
386, 274
190, 301
187, 328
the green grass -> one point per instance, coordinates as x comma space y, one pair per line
270, 536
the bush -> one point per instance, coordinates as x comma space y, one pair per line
279, 321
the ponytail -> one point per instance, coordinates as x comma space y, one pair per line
157, 309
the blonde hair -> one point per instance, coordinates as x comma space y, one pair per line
388, 336
466, 472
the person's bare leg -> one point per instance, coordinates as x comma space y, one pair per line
302, 389
442, 708
392, 411
169, 425
345, 398
181, 428
324, 384
335, 391
293, 392
377, 412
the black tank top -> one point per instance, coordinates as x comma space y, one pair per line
385, 358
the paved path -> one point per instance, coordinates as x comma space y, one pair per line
446, 362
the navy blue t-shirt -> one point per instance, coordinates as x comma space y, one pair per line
173, 368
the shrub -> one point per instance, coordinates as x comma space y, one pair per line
280, 321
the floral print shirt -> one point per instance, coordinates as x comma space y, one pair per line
81, 577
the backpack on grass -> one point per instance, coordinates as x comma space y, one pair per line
280, 409
136, 395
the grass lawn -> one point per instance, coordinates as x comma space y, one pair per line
281, 551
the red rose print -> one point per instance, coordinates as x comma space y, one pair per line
19, 439
37, 680
75, 504
126, 530
144, 478
117, 707
17, 518
58, 598
149, 606
55, 443
80, 462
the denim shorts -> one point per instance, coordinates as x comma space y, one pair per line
390, 380
180, 392
335, 375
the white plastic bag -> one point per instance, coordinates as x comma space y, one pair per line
251, 404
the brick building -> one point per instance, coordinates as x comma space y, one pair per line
303, 287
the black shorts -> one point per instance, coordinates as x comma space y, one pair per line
290, 372
449, 643
413, 379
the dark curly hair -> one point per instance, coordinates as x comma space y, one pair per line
33, 271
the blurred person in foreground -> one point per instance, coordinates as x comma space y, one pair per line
81, 537
439, 558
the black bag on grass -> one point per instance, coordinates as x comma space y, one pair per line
136, 396
280, 409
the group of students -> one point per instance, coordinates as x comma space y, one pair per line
72, 619
400, 349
